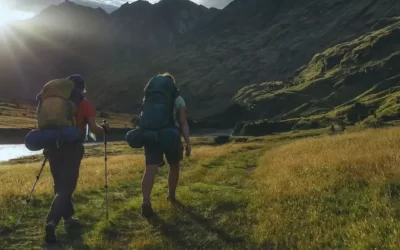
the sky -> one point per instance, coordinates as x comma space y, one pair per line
208, 3
11, 10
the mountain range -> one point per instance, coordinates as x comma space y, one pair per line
249, 61
35, 6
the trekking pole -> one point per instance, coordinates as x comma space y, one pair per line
105, 169
30, 195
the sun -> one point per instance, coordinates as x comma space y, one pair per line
8, 15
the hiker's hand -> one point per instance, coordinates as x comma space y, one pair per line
106, 127
188, 150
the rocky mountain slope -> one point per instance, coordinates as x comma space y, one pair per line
36, 6
212, 54
69, 38
350, 83
146, 26
60, 40
248, 42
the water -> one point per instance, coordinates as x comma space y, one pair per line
12, 151
211, 132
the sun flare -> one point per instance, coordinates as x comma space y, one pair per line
8, 15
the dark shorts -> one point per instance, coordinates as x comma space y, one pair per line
155, 155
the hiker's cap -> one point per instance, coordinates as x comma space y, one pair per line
78, 80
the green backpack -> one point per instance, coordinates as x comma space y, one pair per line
156, 120
158, 104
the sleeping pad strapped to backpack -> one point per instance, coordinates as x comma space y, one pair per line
58, 104
156, 121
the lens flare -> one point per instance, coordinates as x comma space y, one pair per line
8, 15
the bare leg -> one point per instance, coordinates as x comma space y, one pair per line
173, 179
148, 182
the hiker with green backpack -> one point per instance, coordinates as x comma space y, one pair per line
161, 123
64, 111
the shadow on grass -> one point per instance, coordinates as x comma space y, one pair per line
72, 239
203, 222
169, 231
173, 233
5, 231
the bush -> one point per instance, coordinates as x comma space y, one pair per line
222, 139
267, 127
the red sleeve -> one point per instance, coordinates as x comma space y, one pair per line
85, 112
88, 110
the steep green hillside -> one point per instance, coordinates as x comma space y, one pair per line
356, 81
248, 42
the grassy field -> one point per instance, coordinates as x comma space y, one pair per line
22, 115
275, 192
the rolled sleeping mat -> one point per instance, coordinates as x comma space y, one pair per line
37, 140
167, 138
134, 138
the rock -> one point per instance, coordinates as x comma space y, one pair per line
223, 139
241, 140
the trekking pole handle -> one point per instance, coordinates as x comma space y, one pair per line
104, 128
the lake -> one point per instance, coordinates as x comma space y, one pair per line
12, 151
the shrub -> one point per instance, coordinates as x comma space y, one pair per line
222, 139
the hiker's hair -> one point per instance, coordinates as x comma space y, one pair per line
168, 75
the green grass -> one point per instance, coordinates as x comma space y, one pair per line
212, 191
330, 192
364, 70
298, 190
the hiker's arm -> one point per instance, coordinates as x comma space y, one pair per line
184, 126
90, 115
96, 129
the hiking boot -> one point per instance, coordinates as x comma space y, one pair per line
71, 222
50, 233
147, 210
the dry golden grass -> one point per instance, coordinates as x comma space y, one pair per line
330, 192
20, 115
313, 164
14, 115
17, 180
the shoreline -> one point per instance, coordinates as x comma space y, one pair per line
17, 135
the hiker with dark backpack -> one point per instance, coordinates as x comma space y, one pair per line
162, 121
62, 104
